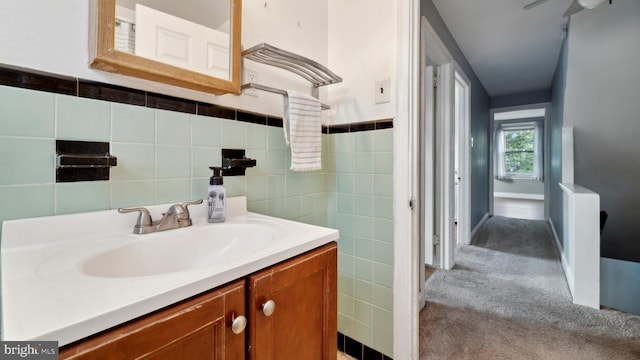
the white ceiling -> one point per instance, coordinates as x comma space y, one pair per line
510, 50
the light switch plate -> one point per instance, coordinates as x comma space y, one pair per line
382, 91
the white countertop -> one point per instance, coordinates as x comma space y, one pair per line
46, 295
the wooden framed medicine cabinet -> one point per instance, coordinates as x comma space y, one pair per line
107, 56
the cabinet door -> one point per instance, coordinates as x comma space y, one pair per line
304, 322
197, 328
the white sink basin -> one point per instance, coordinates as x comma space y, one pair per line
66, 277
168, 252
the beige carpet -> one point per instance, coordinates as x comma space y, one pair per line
507, 299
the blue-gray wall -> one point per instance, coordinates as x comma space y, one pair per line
525, 98
555, 167
480, 119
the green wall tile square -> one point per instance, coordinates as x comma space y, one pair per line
257, 188
233, 134
383, 230
276, 162
173, 191
235, 185
383, 207
344, 143
26, 112
363, 312
363, 141
345, 324
383, 140
383, 163
199, 188
275, 138
205, 131
363, 248
363, 332
383, 252
345, 284
82, 119
276, 207
135, 124
82, 196
132, 193
383, 297
363, 268
345, 304
345, 183
363, 205
173, 128
383, 275
26, 201
344, 222
256, 137
26, 161
345, 244
363, 184
363, 290
292, 206
135, 161
173, 162
345, 163
363, 163
293, 185
346, 264
363, 226
277, 186
382, 319
383, 185
202, 158
260, 156
307, 205
345, 203
383, 340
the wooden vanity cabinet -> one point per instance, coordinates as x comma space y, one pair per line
302, 323
197, 328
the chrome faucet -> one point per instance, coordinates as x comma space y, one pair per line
176, 217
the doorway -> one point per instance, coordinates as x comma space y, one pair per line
444, 155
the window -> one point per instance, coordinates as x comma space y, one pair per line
519, 151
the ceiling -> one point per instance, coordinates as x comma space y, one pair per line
510, 50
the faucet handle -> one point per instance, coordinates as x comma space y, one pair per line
144, 219
186, 204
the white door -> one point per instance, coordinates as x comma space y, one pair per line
175, 41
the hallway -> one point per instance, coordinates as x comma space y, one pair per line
507, 298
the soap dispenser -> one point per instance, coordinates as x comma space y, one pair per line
216, 196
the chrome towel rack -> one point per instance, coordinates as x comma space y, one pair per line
317, 74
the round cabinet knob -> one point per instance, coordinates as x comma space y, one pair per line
238, 324
268, 308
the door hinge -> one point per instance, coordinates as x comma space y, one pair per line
436, 240
412, 204
435, 82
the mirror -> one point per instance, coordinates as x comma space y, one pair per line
192, 43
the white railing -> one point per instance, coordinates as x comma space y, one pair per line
581, 248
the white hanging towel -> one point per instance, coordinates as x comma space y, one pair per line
302, 131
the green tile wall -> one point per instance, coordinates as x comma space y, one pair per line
163, 157
360, 186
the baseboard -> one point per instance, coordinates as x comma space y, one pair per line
563, 259
477, 227
519, 196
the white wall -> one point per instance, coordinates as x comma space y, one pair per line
52, 36
362, 49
